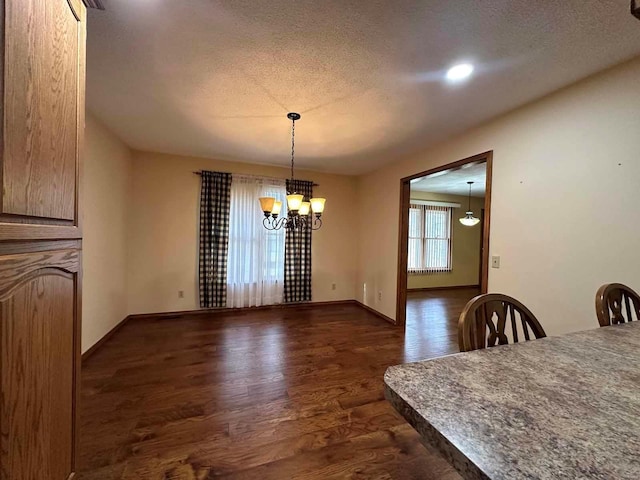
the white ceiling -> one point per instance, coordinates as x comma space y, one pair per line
216, 78
454, 182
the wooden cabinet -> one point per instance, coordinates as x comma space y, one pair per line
42, 106
38, 315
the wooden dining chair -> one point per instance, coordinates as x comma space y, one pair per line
616, 303
486, 320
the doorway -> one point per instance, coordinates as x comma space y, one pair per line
436, 238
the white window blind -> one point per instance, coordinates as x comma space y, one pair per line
255, 266
429, 239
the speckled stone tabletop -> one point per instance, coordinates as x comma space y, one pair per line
556, 408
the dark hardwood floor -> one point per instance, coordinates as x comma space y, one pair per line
432, 319
272, 394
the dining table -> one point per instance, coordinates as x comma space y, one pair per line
560, 407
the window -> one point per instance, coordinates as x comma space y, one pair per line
255, 266
274, 239
429, 239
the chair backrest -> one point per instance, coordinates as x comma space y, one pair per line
616, 303
488, 319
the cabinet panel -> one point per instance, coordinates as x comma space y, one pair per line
38, 325
43, 85
42, 77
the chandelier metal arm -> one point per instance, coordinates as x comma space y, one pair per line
271, 223
317, 224
293, 222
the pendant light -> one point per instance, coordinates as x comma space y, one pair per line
298, 210
469, 220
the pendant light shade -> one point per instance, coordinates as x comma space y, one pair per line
294, 201
317, 204
266, 204
305, 208
469, 220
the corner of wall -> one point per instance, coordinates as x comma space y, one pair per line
106, 200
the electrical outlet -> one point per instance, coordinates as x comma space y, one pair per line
180, 293
495, 261
379, 296
333, 286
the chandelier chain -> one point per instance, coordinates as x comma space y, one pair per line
293, 144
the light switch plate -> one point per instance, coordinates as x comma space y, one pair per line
495, 261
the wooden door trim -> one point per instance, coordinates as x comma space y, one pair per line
484, 280
403, 230
76, 8
403, 252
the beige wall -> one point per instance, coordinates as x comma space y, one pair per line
107, 177
465, 246
564, 217
164, 222
564, 206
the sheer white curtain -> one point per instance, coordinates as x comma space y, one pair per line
255, 266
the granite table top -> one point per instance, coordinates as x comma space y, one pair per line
564, 407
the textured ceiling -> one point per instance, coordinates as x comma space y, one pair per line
216, 78
454, 182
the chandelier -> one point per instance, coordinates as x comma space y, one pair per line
469, 220
299, 211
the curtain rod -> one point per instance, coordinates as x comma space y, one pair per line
433, 203
258, 176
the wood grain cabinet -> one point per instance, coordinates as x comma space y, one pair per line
42, 105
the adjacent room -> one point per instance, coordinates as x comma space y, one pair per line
322, 240
444, 249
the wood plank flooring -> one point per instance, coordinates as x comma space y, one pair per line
432, 319
273, 394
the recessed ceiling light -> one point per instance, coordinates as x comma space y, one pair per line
459, 72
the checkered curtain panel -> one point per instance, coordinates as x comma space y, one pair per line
215, 197
297, 252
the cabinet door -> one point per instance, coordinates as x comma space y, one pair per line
43, 115
39, 293
42, 108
